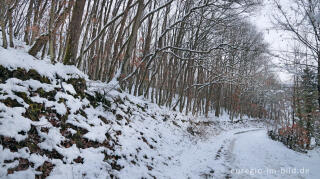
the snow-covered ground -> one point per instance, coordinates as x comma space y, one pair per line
255, 155
206, 158
75, 136
243, 153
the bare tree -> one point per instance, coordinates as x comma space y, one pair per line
3, 22
304, 26
74, 32
192, 56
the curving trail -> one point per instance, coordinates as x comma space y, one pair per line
243, 153
265, 158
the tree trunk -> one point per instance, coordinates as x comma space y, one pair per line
3, 10
318, 75
4, 35
74, 32
217, 102
132, 38
10, 11
52, 35
40, 42
28, 23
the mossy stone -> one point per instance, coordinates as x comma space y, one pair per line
11, 102
34, 111
79, 85
24, 96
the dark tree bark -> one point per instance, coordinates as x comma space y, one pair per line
132, 38
43, 39
74, 32
28, 23
40, 42
52, 36
318, 76
10, 12
3, 11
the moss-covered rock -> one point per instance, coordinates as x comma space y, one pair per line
79, 85
48, 95
34, 111
24, 96
11, 102
33, 74
21, 74
4, 74
99, 99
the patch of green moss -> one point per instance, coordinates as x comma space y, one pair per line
98, 99
21, 74
101, 98
4, 74
24, 96
92, 100
33, 74
61, 100
82, 113
81, 131
79, 85
34, 111
11, 102
63, 123
48, 95
77, 138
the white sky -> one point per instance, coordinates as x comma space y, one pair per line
278, 40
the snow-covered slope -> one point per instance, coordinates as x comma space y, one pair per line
55, 123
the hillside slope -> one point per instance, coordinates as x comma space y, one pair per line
55, 122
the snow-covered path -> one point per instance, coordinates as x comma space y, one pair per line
243, 153
266, 158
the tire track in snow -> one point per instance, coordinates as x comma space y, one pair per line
225, 155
